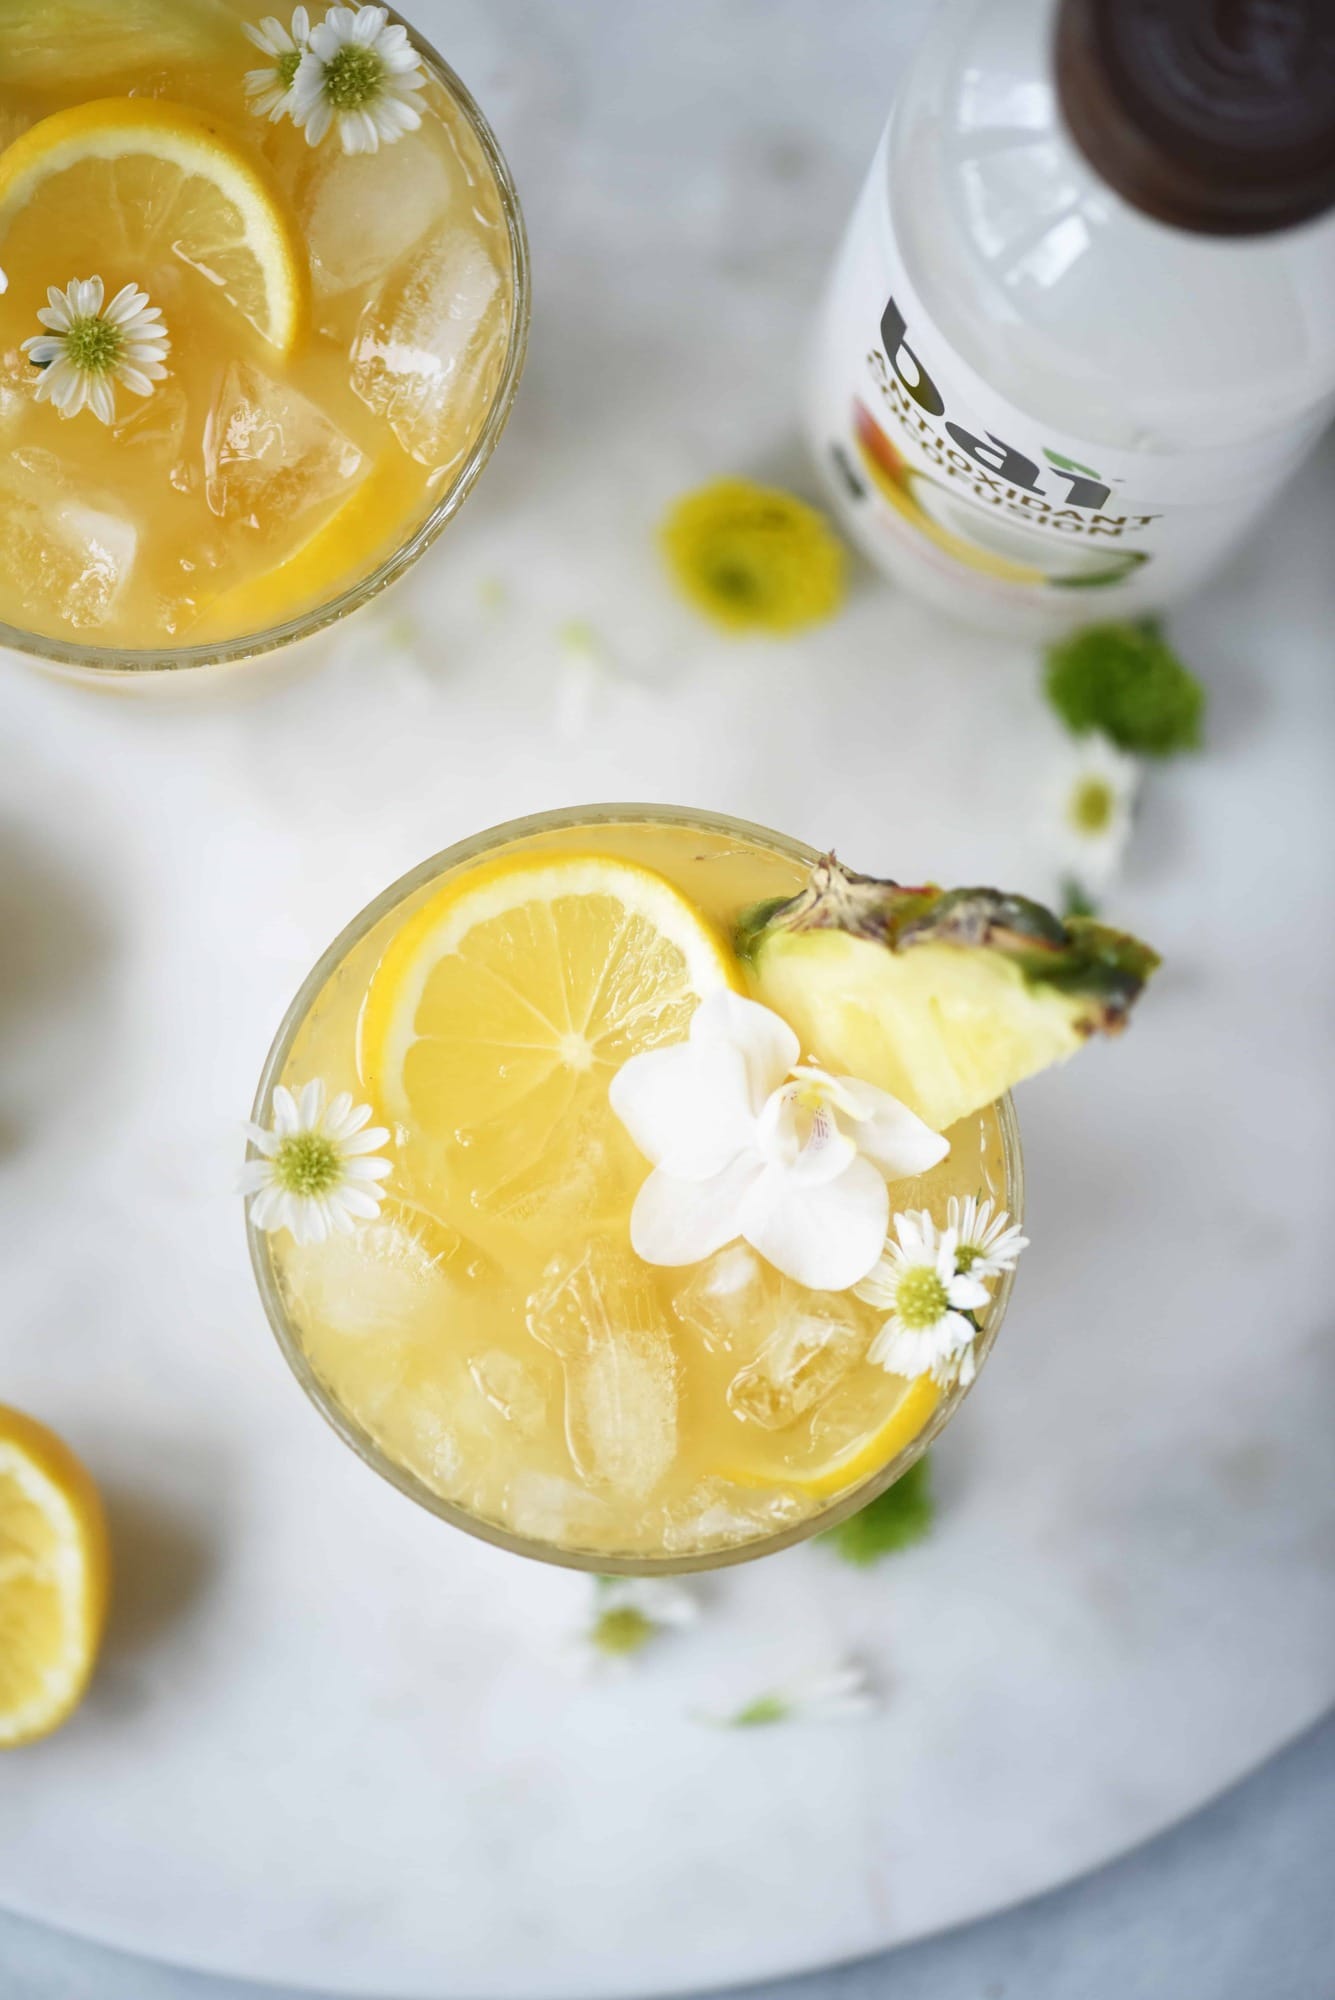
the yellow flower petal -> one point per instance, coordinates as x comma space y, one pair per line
754, 558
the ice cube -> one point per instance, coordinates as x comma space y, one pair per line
813, 1339
716, 1513
273, 460
726, 1300
512, 1389
547, 1508
597, 1309
62, 555
364, 211
383, 1280
428, 344
156, 427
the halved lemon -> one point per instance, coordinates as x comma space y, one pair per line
54, 1571
504, 1006
125, 186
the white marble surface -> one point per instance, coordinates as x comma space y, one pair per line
330, 1744
1232, 1904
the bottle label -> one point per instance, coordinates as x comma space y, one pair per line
927, 458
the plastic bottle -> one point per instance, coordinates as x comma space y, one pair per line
1082, 325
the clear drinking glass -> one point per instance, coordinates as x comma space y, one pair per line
105, 665
339, 978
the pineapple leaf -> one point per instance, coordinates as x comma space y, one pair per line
897, 1518
1126, 682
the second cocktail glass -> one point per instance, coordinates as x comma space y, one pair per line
328, 342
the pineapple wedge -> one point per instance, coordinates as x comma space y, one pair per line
944, 997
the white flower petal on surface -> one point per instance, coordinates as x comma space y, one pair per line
685, 1107
835, 1694
1090, 808
676, 1222
824, 1234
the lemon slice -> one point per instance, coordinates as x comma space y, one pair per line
504, 1006
342, 551
126, 185
856, 1461
860, 1460
54, 1571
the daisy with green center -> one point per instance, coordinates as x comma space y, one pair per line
629, 1612
88, 351
359, 73
318, 1174
270, 88
930, 1301
1092, 806
987, 1242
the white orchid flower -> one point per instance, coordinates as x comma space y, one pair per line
745, 1142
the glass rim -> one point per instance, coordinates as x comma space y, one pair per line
361, 1441
131, 661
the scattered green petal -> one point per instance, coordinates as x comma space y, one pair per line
1126, 682
757, 1714
896, 1519
754, 558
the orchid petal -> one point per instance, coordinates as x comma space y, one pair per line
682, 1222
826, 1235
826, 1151
891, 1135
766, 1041
686, 1106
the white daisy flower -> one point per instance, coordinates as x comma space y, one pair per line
834, 1695
270, 88
88, 350
318, 1176
4, 282
1091, 809
747, 1142
917, 1279
359, 73
631, 1611
986, 1243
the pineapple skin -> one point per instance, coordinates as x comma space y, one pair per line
945, 998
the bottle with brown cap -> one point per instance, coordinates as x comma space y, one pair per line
1082, 325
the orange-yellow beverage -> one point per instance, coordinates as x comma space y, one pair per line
321, 335
491, 1338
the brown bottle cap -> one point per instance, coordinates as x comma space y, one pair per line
1212, 115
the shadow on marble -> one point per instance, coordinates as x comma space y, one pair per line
57, 950
161, 1566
